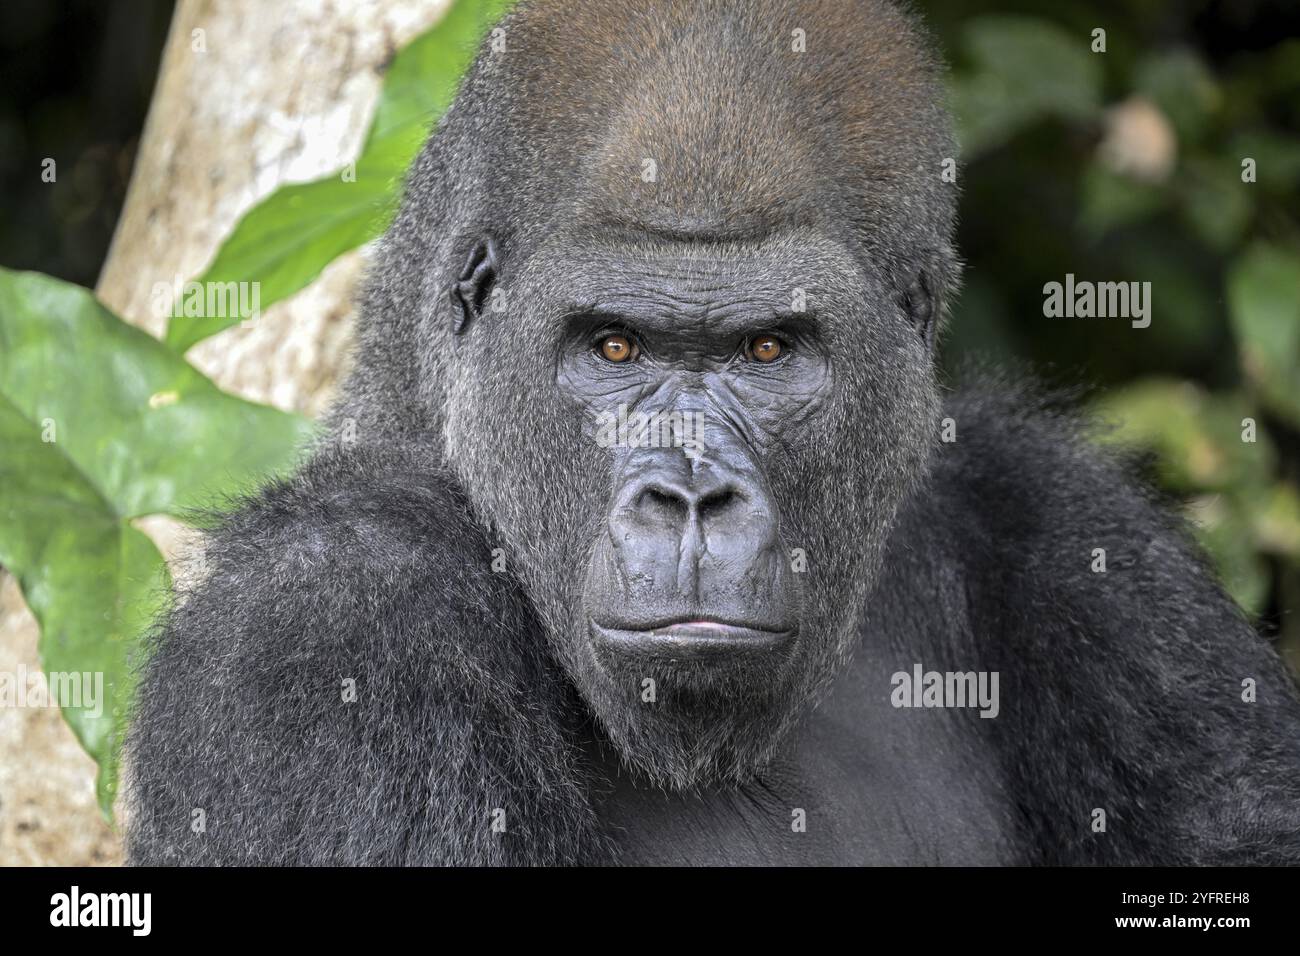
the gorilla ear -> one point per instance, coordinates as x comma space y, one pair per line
470, 290
918, 301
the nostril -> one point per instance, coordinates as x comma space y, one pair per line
718, 501
661, 503
675, 506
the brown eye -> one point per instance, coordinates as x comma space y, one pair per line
617, 348
764, 348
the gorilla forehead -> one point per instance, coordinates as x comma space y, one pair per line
706, 118
725, 287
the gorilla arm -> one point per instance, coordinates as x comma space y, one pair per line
1140, 690
352, 684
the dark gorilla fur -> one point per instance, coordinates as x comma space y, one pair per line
480, 691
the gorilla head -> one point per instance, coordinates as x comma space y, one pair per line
663, 297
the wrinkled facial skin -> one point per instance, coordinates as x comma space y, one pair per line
698, 529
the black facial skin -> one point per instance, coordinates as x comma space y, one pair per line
691, 564
681, 570
690, 572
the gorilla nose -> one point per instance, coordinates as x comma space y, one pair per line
691, 541
690, 531
674, 506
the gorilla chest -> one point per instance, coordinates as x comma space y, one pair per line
854, 784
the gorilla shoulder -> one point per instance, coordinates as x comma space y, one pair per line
348, 615
1025, 501
1020, 476
1033, 553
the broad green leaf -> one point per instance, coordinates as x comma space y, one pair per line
1264, 304
99, 424
1022, 69
149, 432
92, 581
423, 79
284, 242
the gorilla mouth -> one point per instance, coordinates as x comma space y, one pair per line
690, 638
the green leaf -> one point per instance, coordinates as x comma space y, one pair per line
284, 242
423, 79
92, 581
148, 430
1264, 304
1022, 69
100, 424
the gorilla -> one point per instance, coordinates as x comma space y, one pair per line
645, 532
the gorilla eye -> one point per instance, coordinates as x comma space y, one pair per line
617, 348
764, 348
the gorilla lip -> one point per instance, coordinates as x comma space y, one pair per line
694, 638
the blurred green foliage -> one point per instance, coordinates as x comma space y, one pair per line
1170, 157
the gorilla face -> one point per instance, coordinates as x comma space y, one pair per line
705, 448
684, 370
